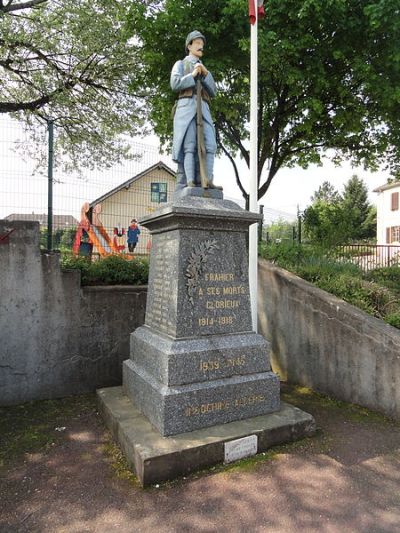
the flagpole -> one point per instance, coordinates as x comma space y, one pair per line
253, 231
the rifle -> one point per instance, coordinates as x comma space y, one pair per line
201, 148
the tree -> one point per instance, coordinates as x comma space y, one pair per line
328, 77
357, 209
325, 224
327, 193
342, 218
70, 61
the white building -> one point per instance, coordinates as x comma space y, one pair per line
388, 214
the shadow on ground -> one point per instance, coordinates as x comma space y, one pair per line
61, 473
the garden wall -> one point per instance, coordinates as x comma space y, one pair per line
56, 338
322, 342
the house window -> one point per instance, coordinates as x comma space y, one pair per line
159, 192
395, 234
395, 201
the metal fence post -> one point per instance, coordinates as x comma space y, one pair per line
298, 225
260, 224
50, 128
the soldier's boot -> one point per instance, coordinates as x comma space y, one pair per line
210, 171
180, 177
189, 164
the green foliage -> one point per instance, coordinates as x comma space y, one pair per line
325, 223
393, 319
62, 238
376, 292
368, 296
280, 229
70, 261
357, 210
328, 76
43, 238
337, 219
67, 238
284, 254
110, 270
326, 193
389, 277
70, 61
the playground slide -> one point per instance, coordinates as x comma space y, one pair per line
98, 236
101, 240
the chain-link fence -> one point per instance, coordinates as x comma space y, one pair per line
106, 199
92, 211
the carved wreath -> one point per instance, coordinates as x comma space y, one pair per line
198, 258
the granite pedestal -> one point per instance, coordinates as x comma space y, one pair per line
196, 363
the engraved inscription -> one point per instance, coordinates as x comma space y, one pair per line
218, 276
220, 297
220, 320
216, 364
239, 448
212, 407
158, 312
222, 304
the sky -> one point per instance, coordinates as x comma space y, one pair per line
24, 190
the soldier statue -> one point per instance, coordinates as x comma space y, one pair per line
194, 143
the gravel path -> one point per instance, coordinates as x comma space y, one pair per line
346, 479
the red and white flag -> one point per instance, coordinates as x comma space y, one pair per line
252, 10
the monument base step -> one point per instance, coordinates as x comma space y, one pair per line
179, 409
154, 458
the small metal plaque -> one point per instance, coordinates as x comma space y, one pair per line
240, 448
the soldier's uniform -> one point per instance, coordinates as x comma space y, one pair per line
184, 150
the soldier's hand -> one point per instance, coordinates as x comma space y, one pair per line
197, 71
204, 71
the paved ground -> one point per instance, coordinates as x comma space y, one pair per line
60, 473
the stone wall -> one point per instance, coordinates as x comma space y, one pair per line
56, 338
322, 342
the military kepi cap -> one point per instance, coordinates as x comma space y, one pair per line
194, 35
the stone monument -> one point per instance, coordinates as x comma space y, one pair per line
198, 388
198, 377
196, 362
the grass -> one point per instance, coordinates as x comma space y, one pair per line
32, 427
307, 399
376, 292
118, 462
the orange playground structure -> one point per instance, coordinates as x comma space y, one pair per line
91, 232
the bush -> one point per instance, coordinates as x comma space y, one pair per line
394, 319
70, 261
376, 293
63, 239
368, 296
389, 277
110, 270
307, 261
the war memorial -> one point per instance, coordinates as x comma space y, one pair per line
198, 388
